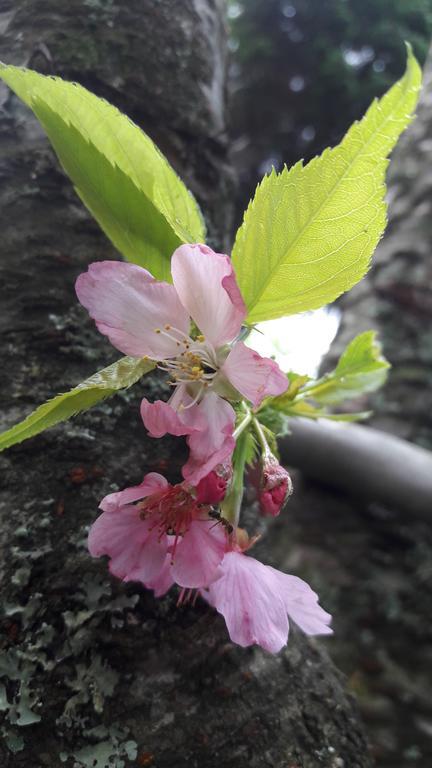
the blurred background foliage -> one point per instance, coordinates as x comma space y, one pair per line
303, 70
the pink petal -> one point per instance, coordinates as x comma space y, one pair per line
127, 305
255, 377
152, 483
163, 581
214, 444
301, 603
213, 487
245, 595
161, 418
127, 540
198, 554
207, 287
151, 560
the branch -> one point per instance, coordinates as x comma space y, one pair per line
362, 461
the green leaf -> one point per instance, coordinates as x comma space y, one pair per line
270, 436
359, 416
297, 382
118, 172
305, 410
119, 375
360, 369
251, 447
274, 419
309, 233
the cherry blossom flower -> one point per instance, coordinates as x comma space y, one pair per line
143, 317
257, 602
167, 537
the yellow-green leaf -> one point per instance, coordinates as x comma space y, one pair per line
309, 233
118, 172
297, 382
119, 375
305, 410
361, 368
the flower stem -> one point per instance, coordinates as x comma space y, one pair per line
261, 436
243, 424
231, 505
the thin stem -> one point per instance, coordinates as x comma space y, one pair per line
231, 505
261, 436
243, 424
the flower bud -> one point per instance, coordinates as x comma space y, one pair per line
213, 487
275, 487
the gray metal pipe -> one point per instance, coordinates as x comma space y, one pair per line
362, 461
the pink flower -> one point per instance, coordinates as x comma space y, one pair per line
275, 486
167, 537
256, 601
144, 317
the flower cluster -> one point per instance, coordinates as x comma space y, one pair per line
188, 534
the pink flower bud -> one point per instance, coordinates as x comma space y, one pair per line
212, 488
275, 488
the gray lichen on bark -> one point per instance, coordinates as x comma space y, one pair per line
96, 670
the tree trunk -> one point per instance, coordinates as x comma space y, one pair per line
94, 669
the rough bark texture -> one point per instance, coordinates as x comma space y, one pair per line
94, 670
396, 296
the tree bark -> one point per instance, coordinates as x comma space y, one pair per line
94, 670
